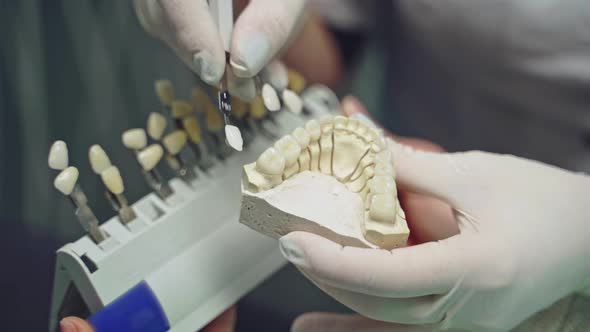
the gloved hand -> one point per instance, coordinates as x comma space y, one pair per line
261, 30
523, 244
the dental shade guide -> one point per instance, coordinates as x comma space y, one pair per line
174, 252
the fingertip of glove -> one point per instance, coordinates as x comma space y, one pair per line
208, 69
250, 55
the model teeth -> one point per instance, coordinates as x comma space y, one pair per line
164, 91
340, 122
156, 125
192, 128
112, 180
58, 155
134, 139
234, 137
382, 184
289, 148
302, 137
271, 162
180, 109
174, 142
66, 180
99, 161
270, 98
382, 168
150, 156
292, 101
383, 208
314, 130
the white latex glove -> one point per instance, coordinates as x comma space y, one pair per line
260, 32
524, 243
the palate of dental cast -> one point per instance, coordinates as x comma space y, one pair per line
270, 98
134, 139
99, 161
58, 156
164, 91
349, 153
156, 125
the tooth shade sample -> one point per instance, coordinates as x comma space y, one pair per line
296, 81
271, 162
276, 74
234, 137
200, 100
344, 154
292, 101
156, 125
270, 98
192, 128
239, 108
174, 142
257, 109
99, 161
66, 180
164, 91
150, 156
302, 137
180, 109
134, 139
214, 120
289, 148
314, 130
112, 180
58, 156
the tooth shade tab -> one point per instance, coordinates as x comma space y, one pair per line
175, 141
112, 180
296, 81
99, 161
156, 125
239, 108
302, 137
382, 184
134, 139
292, 101
270, 98
277, 75
164, 91
192, 128
257, 109
200, 100
289, 148
66, 180
340, 122
271, 162
314, 129
234, 137
383, 208
214, 120
58, 156
150, 156
180, 109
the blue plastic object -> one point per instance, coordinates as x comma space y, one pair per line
136, 310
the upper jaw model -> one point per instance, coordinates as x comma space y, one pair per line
333, 177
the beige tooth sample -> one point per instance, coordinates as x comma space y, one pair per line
164, 91
112, 180
58, 156
292, 101
354, 203
192, 128
99, 161
156, 125
174, 142
134, 139
150, 156
270, 98
234, 137
66, 180
180, 109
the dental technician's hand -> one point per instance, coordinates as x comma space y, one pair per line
260, 32
523, 244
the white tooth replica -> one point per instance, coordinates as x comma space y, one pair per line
66, 180
292, 101
234, 137
112, 180
99, 161
175, 141
134, 139
334, 178
270, 98
156, 125
58, 156
150, 156
164, 91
